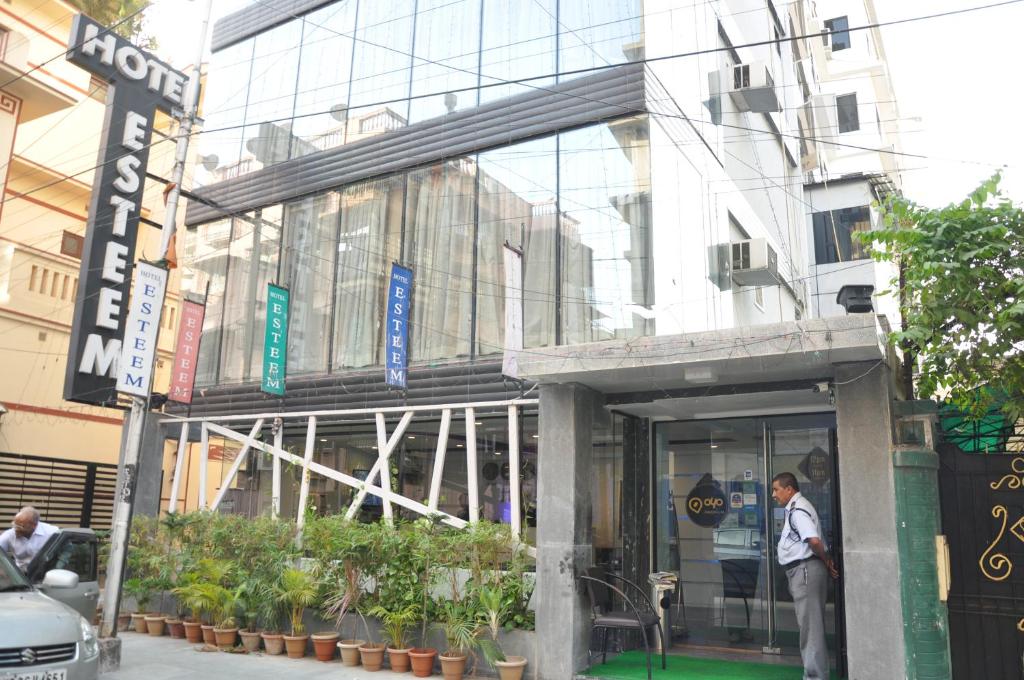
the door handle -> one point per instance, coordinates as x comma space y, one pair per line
92, 595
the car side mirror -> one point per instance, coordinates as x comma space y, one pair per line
60, 578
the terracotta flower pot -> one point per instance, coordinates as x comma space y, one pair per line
176, 628
155, 625
372, 656
324, 645
193, 631
273, 642
350, 651
250, 640
295, 645
227, 638
209, 637
124, 622
422, 660
399, 659
139, 623
511, 668
453, 667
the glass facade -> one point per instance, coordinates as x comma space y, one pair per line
358, 68
577, 204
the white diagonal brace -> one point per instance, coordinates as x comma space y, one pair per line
204, 458
442, 446
471, 468
383, 452
239, 459
330, 473
300, 519
172, 503
514, 478
382, 460
275, 484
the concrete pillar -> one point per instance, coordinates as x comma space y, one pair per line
564, 528
871, 565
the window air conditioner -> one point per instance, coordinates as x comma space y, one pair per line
751, 87
754, 263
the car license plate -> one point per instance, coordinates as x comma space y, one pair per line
52, 674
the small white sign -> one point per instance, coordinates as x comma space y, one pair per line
135, 367
750, 499
748, 475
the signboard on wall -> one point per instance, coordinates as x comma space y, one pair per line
135, 367
275, 341
186, 354
513, 311
396, 363
140, 85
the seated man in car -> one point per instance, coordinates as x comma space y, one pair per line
26, 537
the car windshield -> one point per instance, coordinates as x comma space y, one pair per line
10, 576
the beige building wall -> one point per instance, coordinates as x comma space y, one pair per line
49, 147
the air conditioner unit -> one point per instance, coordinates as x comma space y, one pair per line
751, 87
754, 263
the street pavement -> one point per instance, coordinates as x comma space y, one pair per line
164, 658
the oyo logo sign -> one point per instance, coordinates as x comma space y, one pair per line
706, 504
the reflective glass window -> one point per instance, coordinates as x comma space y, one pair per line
440, 214
605, 232
517, 206
253, 256
369, 240
223, 106
307, 270
204, 272
599, 33
267, 137
447, 57
519, 41
325, 67
381, 68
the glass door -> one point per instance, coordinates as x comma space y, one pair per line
717, 525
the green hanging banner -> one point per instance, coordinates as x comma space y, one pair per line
275, 343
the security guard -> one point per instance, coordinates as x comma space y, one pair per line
805, 558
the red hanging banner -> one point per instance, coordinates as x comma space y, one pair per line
183, 372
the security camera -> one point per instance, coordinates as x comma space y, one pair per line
820, 387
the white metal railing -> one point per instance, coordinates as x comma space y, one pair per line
386, 445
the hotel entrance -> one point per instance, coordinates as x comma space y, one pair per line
716, 528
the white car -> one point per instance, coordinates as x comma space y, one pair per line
44, 632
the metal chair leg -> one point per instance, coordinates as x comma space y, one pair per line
661, 632
604, 645
647, 649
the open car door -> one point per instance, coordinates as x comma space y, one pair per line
75, 550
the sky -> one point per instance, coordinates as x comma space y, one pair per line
956, 79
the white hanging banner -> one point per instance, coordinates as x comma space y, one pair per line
513, 311
135, 367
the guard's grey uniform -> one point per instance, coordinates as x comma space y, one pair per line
808, 583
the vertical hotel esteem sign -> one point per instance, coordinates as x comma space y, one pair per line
275, 342
140, 85
183, 373
396, 360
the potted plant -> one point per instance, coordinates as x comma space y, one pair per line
156, 621
190, 596
297, 590
138, 590
252, 596
460, 630
396, 631
225, 627
494, 609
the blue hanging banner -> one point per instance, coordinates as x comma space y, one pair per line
396, 362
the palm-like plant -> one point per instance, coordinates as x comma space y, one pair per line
460, 628
493, 610
397, 624
225, 603
297, 590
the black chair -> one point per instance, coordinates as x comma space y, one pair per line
630, 617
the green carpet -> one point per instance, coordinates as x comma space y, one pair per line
633, 666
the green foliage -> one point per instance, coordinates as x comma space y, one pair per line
460, 625
110, 12
962, 294
397, 624
297, 590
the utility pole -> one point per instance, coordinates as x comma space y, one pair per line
140, 406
